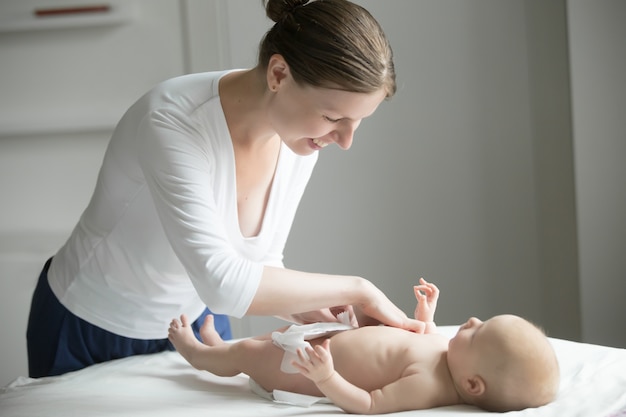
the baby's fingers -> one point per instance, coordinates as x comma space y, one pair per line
322, 351
302, 356
422, 291
430, 285
430, 289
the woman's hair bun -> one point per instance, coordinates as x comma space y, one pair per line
278, 10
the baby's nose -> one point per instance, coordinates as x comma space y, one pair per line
474, 321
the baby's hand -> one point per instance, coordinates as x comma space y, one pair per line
427, 295
318, 367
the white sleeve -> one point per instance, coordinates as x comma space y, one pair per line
178, 173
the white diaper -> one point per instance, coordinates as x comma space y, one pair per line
296, 336
290, 340
286, 397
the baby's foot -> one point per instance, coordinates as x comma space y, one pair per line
182, 337
208, 334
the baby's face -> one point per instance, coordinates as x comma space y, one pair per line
472, 341
466, 333
507, 352
463, 348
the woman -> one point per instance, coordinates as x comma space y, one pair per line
198, 190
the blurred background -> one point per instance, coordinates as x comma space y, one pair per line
497, 171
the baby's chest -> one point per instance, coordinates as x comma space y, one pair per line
379, 350
371, 356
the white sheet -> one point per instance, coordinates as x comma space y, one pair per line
593, 385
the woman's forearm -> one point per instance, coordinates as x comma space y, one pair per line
283, 291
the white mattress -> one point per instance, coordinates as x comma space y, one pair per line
593, 385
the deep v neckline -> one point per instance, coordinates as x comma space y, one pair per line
267, 187
265, 207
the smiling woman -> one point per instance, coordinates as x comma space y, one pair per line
197, 192
320, 115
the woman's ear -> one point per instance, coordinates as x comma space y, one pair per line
474, 386
277, 71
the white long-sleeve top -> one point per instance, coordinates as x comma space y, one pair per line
161, 235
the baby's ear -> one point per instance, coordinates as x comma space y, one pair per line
474, 386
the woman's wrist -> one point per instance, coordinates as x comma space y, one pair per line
365, 290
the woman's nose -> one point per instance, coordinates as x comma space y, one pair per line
344, 141
345, 135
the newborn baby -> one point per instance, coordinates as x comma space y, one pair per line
502, 364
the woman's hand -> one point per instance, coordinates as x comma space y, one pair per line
378, 309
324, 315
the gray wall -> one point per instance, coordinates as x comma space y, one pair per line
457, 178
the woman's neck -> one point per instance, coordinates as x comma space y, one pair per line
244, 97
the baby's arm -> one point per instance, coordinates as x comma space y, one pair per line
400, 395
319, 368
427, 295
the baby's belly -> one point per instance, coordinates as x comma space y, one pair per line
369, 357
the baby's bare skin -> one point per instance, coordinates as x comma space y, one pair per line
379, 370
369, 357
372, 357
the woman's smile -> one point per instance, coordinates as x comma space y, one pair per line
318, 143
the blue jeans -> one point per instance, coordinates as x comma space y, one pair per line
60, 342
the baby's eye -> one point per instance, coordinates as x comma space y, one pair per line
328, 119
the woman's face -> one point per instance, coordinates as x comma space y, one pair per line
308, 119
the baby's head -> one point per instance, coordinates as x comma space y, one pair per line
503, 364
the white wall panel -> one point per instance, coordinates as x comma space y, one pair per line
83, 72
64, 83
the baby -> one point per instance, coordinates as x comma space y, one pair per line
502, 364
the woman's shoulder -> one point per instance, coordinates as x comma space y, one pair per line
189, 89
191, 79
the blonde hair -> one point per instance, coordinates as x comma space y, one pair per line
331, 44
520, 370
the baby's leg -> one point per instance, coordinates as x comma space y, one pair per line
250, 356
208, 334
260, 359
257, 358
215, 359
